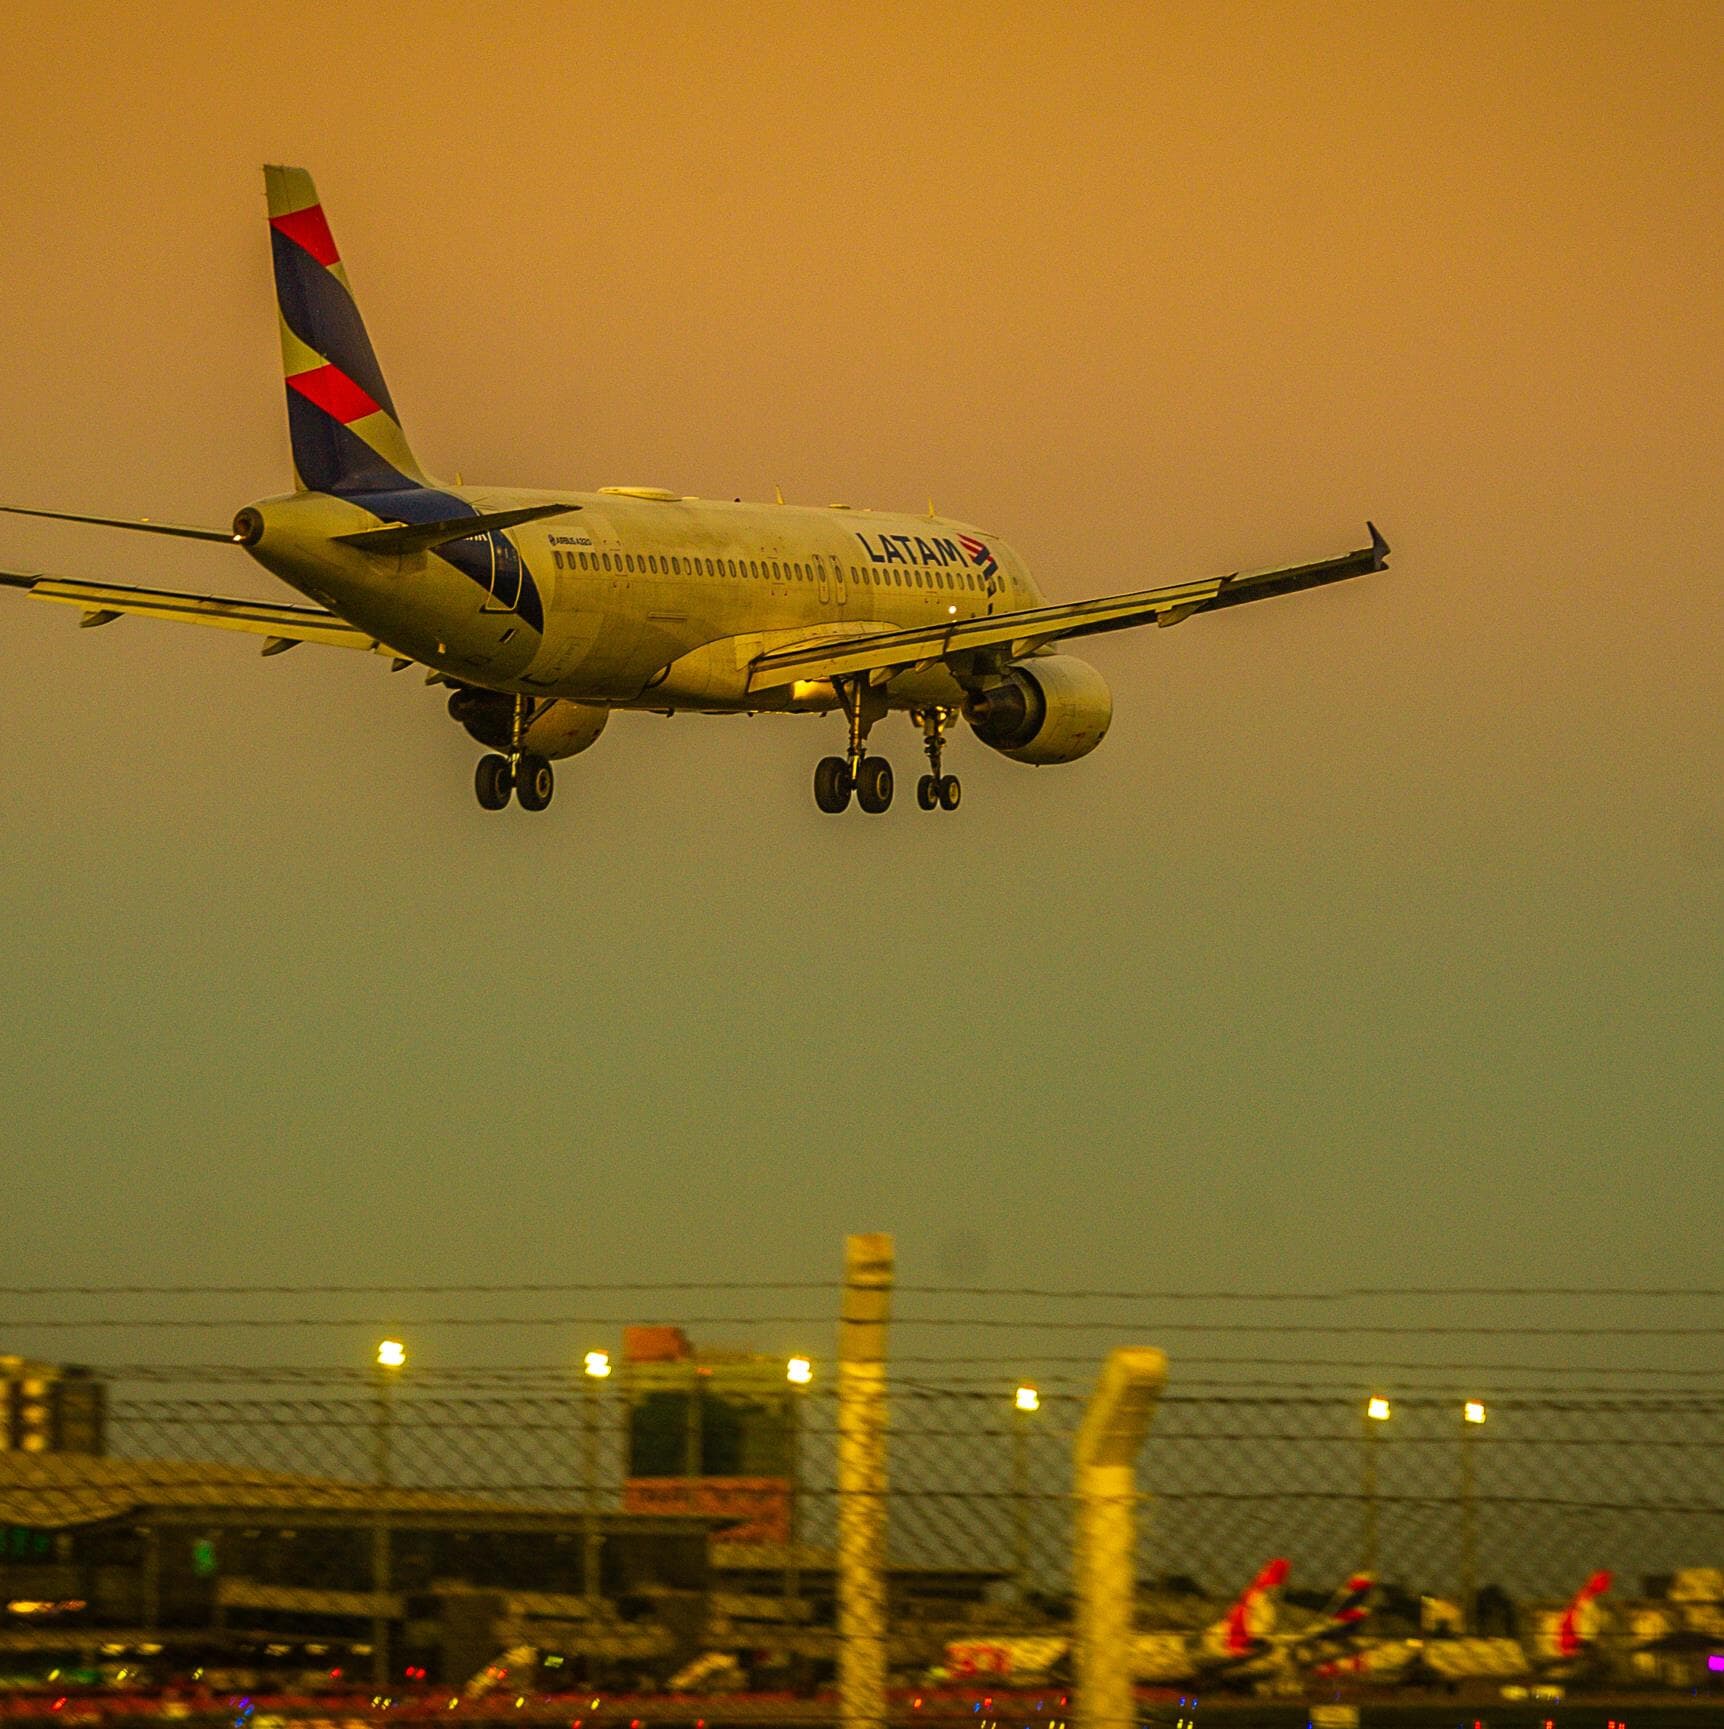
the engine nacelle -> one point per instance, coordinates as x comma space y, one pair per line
557, 729
1054, 708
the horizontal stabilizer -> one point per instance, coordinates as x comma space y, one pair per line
143, 525
103, 602
422, 536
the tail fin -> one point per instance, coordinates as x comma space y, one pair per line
1351, 1604
346, 434
1579, 1624
1250, 1617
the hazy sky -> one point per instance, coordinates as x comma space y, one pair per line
1381, 939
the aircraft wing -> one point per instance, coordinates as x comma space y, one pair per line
1011, 635
285, 626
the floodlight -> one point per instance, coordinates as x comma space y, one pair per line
597, 1364
391, 1354
1027, 1399
1378, 1410
799, 1371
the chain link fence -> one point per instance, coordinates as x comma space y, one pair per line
528, 1530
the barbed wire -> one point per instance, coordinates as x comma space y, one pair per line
1300, 1329
1356, 1293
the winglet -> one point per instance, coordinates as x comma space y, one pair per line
1379, 548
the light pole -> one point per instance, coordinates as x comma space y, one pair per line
596, 1370
1026, 1401
1377, 1413
391, 1357
1472, 1420
799, 1373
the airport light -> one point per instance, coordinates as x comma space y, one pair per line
1472, 1420
1026, 1401
597, 1365
799, 1371
1377, 1413
391, 1356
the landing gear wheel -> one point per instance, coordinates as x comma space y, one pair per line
534, 783
949, 792
927, 792
492, 782
832, 784
874, 785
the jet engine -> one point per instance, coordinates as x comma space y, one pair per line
1054, 708
556, 728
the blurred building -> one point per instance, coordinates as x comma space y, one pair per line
192, 1564
51, 1408
709, 1433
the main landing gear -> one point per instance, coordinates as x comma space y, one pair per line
521, 772
869, 778
936, 788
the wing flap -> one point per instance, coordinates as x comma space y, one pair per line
1023, 632
103, 602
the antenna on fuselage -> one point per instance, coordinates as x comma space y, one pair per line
778, 493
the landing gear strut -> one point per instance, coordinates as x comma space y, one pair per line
868, 777
935, 787
521, 772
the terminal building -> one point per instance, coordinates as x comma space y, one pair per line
709, 1432
160, 1568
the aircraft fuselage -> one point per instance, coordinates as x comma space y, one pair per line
641, 599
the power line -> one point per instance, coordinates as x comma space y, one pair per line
984, 1323
1347, 1294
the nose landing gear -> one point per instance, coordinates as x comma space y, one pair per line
522, 772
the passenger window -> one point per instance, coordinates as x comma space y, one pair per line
607, 561
559, 558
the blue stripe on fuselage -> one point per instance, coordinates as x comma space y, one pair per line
473, 557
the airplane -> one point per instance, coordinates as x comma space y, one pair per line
1563, 1646
1241, 1647
542, 612
1245, 1647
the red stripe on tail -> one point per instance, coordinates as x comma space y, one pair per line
1241, 1635
334, 392
309, 229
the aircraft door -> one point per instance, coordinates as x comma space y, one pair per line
505, 573
838, 593
822, 582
